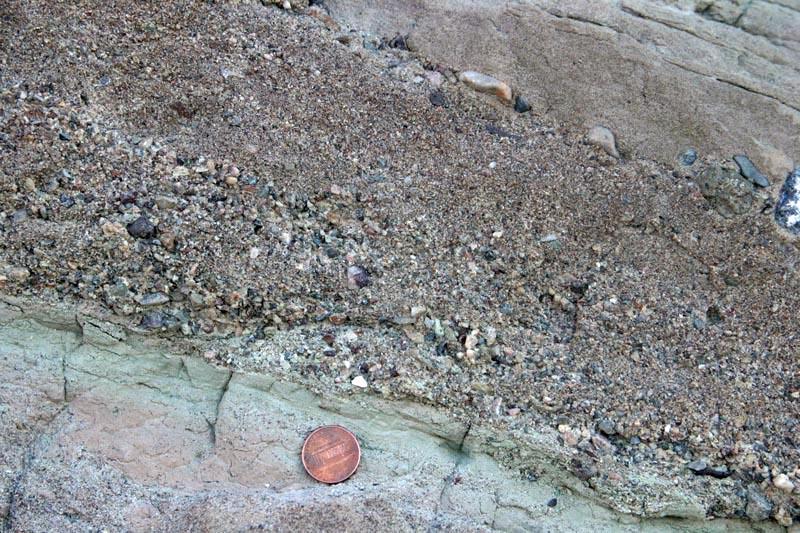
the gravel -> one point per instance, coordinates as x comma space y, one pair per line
156, 200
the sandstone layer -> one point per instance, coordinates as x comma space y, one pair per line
719, 76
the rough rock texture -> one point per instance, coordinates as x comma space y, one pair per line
719, 76
324, 206
104, 429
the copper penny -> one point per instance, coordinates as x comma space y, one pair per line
331, 454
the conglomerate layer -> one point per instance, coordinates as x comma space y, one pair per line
323, 207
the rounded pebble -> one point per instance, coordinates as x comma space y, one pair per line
783, 482
141, 228
486, 84
687, 157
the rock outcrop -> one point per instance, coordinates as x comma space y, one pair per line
101, 428
719, 76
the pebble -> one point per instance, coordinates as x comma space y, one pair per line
787, 209
606, 427
552, 502
20, 216
154, 320
167, 239
30, 185
19, 274
687, 157
418, 310
437, 99
486, 84
471, 340
166, 202
603, 137
698, 465
66, 200
359, 382
521, 105
749, 171
337, 319
112, 228
435, 78
155, 298
141, 228
602, 445
783, 482
758, 507
357, 277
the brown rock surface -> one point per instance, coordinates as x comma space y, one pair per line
720, 76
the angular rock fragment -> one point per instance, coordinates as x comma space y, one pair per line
357, 277
603, 137
749, 171
486, 84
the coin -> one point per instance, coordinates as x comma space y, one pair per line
331, 454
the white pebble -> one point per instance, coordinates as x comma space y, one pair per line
359, 382
602, 137
254, 252
472, 340
782, 482
418, 310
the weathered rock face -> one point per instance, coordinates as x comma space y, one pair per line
661, 75
101, 429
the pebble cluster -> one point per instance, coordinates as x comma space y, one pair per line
323, 205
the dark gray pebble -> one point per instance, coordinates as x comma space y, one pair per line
749, 171
154, 320
552, 502
66, 201
437, 99
758, 506
787, 209
607, 427
64, 136
142, 228
687, 157
521, 105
